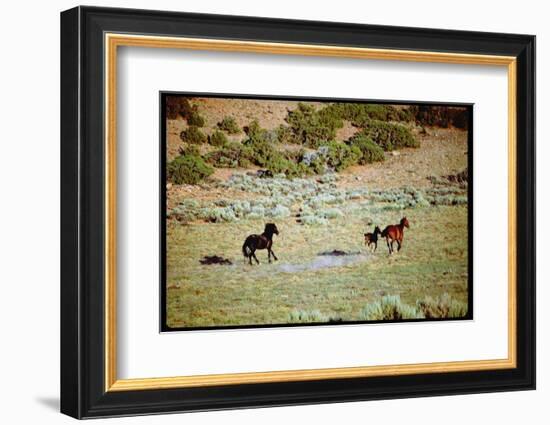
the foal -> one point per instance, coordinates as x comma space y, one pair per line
372, 238
263, 241
394, 232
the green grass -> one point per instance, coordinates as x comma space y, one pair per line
433, 264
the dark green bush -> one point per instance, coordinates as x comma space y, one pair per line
254, 131
389, 136
257, 134
190, 150
195, 119
284, 134
232, 155
330, 118
261, 151
359, 114
310, 128
293, 155
341, 156
440, 116
229, 125
217, 139
188, 169
193, 135
405, 114
176, 105
370, 151
460, 118
279, 164
318, 166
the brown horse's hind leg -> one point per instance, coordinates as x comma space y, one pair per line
390, 248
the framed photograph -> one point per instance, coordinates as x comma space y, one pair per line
261, 212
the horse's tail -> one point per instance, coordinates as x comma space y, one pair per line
246, 250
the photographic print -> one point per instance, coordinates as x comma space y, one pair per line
314, 211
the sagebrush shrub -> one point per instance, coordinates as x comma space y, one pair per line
307, 316
313, 220
218, 215
278, 211
442, 307
193, 135
188, 169
389, 307
329, 213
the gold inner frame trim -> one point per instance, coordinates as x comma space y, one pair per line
113, 41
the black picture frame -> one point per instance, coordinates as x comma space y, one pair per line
83, 393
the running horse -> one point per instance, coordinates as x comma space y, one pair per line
372, 238
394, 233
263, 241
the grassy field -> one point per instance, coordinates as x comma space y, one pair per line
304, 286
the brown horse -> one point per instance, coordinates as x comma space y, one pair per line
372, 238
394, 232
263, 241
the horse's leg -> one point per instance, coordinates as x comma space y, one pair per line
269, 254
388, 243
375, 246
256, 258
273, 254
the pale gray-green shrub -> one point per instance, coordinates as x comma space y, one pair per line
443, 307
389, 307
307, 316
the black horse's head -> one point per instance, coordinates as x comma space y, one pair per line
404, 222
271, 229
377, 230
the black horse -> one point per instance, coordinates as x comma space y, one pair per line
372, 238
263, 241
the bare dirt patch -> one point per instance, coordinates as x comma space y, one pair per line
442, 152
